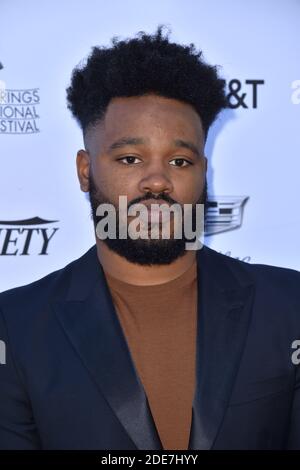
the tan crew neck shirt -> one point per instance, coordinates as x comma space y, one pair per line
160, 324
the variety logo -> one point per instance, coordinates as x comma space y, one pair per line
24, 237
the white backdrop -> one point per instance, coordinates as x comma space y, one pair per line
253, 151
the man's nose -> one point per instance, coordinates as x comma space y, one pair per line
156, 181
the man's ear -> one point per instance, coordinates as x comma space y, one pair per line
83, 169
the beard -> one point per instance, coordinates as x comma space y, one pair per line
147, 252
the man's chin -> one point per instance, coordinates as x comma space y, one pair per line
147, 252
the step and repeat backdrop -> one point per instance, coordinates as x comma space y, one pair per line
253, 148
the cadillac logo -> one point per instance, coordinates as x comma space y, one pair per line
224, 213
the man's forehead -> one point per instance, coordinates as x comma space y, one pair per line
150, 106
146, 118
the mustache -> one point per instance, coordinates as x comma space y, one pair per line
157, 197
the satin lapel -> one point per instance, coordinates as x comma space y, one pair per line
224, 309
93, 328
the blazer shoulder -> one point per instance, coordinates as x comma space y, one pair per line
285, 278
262, 274
36, 293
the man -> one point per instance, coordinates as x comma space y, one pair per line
142, 343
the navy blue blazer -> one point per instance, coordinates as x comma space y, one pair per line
69, 381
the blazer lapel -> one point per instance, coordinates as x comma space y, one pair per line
224, 309
91, 324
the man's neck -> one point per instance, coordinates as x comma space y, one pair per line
120, 268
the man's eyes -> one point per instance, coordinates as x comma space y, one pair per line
181, 162
178, 161
130, 159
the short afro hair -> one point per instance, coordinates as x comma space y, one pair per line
142, 65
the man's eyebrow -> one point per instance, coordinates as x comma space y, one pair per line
188, 145
126, 141
179, 143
